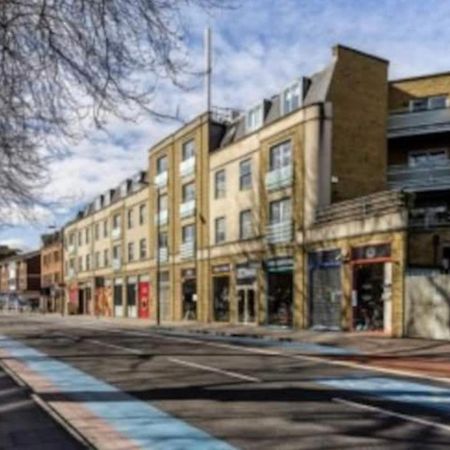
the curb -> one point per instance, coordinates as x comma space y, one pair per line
47, 408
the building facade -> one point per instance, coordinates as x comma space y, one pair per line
52, 273
307, 210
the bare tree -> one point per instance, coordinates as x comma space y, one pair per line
63, 62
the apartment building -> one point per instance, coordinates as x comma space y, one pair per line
309, 209
20, 277
52, 272
106, 253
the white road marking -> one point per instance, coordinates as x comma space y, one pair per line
388, 412
215, 369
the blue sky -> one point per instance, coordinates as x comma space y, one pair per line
258, 48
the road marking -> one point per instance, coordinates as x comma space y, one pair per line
388, 412
216, 370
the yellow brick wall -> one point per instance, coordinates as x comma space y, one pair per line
358, 93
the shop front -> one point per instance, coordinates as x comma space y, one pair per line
85, 302
372, 286
132, 292
144, 306
189, 294
246, 286
118, 297
221, 292
325, 289
72, 305
279, 288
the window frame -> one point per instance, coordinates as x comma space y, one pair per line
220, 190
245, 185
160, 167
217, 238
189, 144
184, 197
281, 213
242, 214
282, 148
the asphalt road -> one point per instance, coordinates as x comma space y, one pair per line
251, 398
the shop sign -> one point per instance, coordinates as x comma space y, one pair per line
246, 272
280, 265
221, 268
371, 252
188, 273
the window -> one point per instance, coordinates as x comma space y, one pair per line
220, 230
97, 260
188, 150
427, 157
106, 257
97, 232
116, 252
245, 174
162, 202
161, 165
254, 118
88, 262
130, 218
105, 228
188, 233
427, 103
116, 221
188, 192
245, 224
290, 98
280, 156
130, 251
220, 184
280, 211
142, 213
143, 248
162, 240
87, 235
71, 238
80, 238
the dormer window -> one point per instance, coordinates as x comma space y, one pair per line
254, 118
290, 98
124, 189
428, 103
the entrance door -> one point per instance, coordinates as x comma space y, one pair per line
189, 301
246, 305
221, 291
279, 298
144, 299
131, 297
368, 301
81, 299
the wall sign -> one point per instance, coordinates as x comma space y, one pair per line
371, 252
280, 265
188, 273
221, 268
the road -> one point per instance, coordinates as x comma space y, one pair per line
246, 397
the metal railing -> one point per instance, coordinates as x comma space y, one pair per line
187, 209
362, 207
419, 122
187, 250
279, 178
163, 254
161, 179
162, 217
187, 167
279, 232
429, 176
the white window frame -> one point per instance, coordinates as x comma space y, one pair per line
253, 121
295, 85
283, 202
282, 149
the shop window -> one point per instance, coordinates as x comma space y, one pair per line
221, 292
245, 174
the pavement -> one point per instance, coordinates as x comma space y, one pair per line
127, 384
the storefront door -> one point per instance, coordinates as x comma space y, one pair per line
246, 305
118, 298
221, 296
280, 292
144, 298
189, 297
132, 297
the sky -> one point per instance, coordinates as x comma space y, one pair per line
258, 48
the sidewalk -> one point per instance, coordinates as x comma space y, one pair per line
24, 425
425, 357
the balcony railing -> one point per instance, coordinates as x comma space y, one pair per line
419, 122
71, 249
279, 178
187, 250
279, 232
161, 179
163, 254
162, 217
187, 167
116, 233
187, 209
424, 177
116, 264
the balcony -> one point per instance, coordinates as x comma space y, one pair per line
279, 232
429, 217
187, 167
419, 178
187, 209
116, 233
279, 178
163, 254
417, 123
116, 264
187, 250
71, 249
161, 179
162, 218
